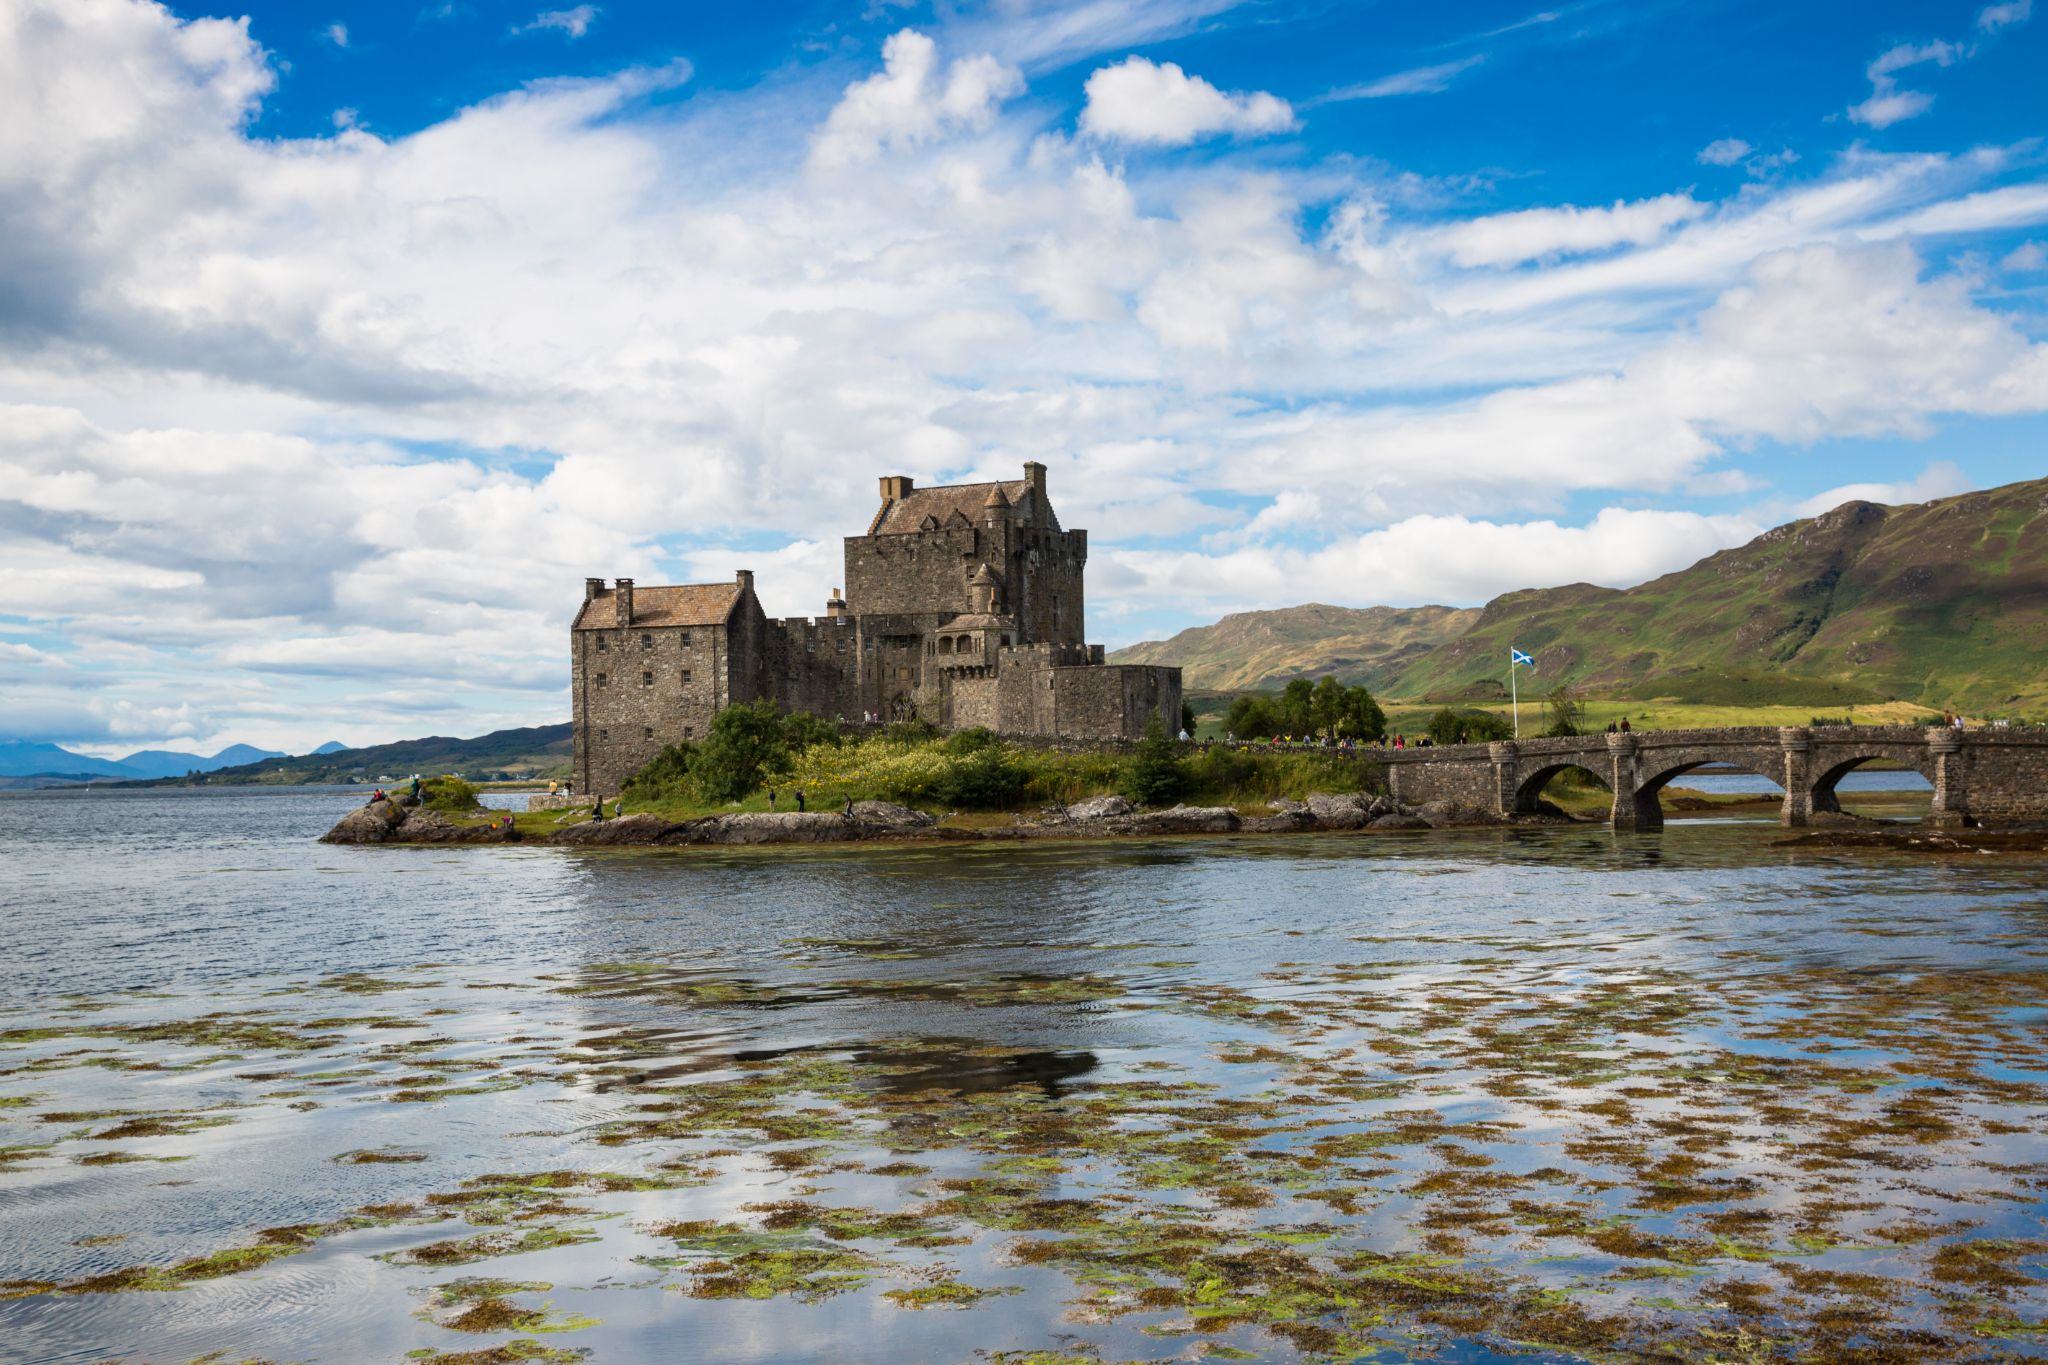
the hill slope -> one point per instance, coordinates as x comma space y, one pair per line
1252, 649
533, 751
1943, 603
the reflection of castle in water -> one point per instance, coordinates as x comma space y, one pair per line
963, 606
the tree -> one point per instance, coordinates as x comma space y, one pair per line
1187, 717
1251, 717
746, 741
1326, 706
801, 729
1562, 709
1359, 716
1467, 727
1297, 707
1157, 776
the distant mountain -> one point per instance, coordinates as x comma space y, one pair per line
28, 757
332, 746
535, 751
172, 763
1253, 649
1944, 603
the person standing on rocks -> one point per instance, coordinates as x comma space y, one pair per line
799, 799
771, 798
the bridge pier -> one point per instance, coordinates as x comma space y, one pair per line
1502, 754
1627, 813
1796, 744
1951, 806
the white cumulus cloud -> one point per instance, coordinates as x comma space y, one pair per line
1137, 100
573, 23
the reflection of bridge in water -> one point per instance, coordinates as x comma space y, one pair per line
1992, 775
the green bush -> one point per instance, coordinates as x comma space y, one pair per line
665, 777
1157, 776
449, 794
973, 740
1467, 727
801, 729
987, 778
746, 742
914, 731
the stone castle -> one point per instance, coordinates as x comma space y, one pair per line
962, 607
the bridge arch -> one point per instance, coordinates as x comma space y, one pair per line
1830, 769
1657, 770
1534, 778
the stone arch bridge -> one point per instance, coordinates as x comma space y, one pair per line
1977, 775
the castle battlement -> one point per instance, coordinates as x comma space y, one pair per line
963, 604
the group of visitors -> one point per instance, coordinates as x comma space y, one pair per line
1618, 727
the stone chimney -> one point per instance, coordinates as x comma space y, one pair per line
836, 608
744, 580
624, 605
593, 588
1034, 474
896, 487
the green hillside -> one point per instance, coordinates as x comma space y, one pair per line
1942, 603
535, 751
1370, 645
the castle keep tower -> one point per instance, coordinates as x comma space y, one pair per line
963, 605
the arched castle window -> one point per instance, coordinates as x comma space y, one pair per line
945, 644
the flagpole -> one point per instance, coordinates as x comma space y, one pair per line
1514, 694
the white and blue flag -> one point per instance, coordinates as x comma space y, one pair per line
1516, 656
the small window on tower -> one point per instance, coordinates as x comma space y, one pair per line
686, 675
602, 679
647, 732
647, 642
686, 639
688, 731
602, 644
604, 734
647, 679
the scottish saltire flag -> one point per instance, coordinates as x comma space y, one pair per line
1516, 656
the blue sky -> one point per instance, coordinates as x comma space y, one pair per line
339, 342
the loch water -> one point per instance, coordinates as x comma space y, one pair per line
1549, 1093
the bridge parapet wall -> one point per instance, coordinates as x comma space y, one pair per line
1976, 774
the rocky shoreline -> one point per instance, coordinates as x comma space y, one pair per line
393, 822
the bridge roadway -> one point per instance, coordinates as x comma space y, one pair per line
1992, 776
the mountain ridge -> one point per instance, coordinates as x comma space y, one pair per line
1943, 602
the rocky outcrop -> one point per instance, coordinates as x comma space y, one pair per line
1104, 816
375, 823
1099, 808
1347, 811
1180, 820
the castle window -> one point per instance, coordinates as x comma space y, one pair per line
647, 642
647, 732
602, 679
686, 675
647, 679
601, 644
689, 730
604, 734
945, 644
1006, 642
840, 645
686, 639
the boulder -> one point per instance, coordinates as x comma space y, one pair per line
1283, 823
1442, 813
1381, 805
1287, 805
1182, 820
375, 823
638, 828
776, 827
889, 815
1345, 811
1396, 820
1099, 808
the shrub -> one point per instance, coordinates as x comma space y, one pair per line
801, 729
448, 793
665, 777
1562, 708
747, 740
1467, 727
1187, 717
914, 731
988, 778
1157, 776
973, 740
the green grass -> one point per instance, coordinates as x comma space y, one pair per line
912, 771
